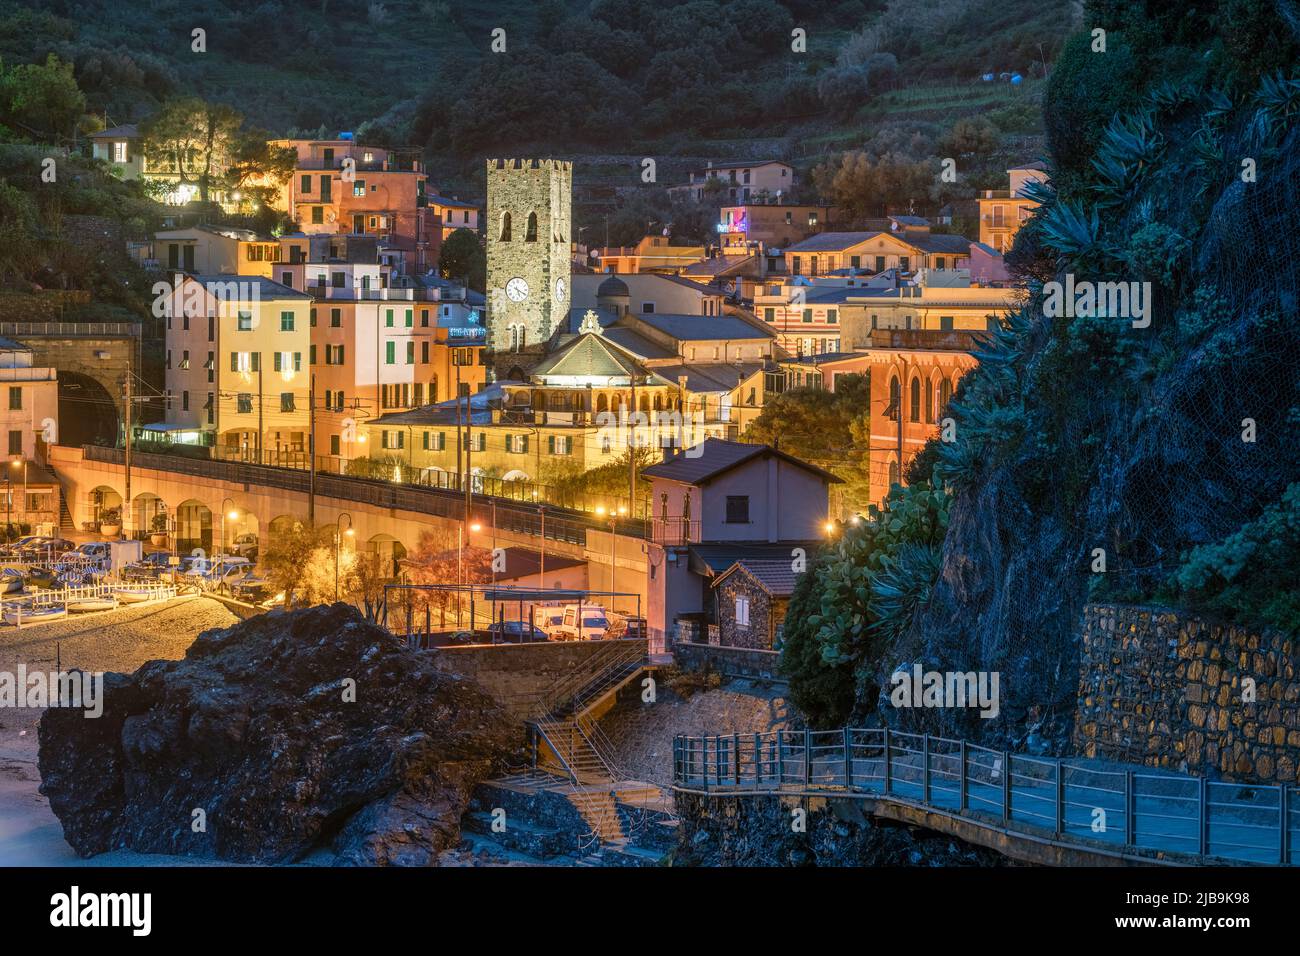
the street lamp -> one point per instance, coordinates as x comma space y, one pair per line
232, 514
613, 543
338, 540
460, 557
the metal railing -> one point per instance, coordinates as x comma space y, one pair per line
558, 524
1124, 809
71, 330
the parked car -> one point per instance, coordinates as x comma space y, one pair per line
250, 587
46, 547
94, 549
245, 546
515, 632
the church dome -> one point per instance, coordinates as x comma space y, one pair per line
612, 288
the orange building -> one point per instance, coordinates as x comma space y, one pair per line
651, 254
340, 186
913, 375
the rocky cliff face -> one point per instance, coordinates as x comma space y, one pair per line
279, 736
1095, 451
756, 831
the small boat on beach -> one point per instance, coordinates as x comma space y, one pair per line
35, 615
129, 595
42, 577
106, 603
11, 580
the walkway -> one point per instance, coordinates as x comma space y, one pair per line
1136, 813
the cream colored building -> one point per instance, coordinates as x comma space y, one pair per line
238, 366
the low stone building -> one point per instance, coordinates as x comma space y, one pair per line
751, 601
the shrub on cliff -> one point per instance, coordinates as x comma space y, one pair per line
861, 594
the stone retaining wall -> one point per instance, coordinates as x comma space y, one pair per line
1167, 689
516, 674
729, 661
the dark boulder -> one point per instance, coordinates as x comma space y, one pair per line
282, 735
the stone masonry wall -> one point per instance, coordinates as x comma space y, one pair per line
516, 674
1168, 689
757, 633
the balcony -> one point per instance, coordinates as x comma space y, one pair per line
673, 530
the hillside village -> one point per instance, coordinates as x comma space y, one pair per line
646, 509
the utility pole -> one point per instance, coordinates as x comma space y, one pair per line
260, 409
469, 458
460, 469
311, 452
126, 505
631, 456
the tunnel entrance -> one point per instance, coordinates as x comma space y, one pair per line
87, 413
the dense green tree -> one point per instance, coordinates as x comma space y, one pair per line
41, 101
463, 259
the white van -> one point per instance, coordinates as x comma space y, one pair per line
591, 627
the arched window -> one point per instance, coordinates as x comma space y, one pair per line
915, 400
602, 403
659, 402
929, 401
530, 234
645, 402
945, 394
505, 227
893, 474
894, 411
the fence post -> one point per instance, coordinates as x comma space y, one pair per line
925, 769
717, 757
735, 742
807, 758
889, 773
1006, 786
780, 758
1060, 798
1130, 808
758, 761
704, 761
961, 783
1284, 823
848, 759
1203, 817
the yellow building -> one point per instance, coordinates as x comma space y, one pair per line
238, 366
651, 254
216, 250
1002, 213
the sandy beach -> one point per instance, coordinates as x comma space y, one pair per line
119, 640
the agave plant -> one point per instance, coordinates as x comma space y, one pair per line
1072, 232
1128, 150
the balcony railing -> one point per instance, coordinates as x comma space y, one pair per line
672, 530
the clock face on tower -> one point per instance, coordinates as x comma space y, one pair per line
559, 290
517, 289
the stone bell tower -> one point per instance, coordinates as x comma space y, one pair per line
529, 228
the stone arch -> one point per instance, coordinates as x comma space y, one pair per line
102, 499
894, 475
895, 396
530, 234
515, 474
602, 402
144, 508
193, 526
914, 399
390, 552
433, 476
929, 399
246, 523
88, 412
278, 530
504, 235
945, 393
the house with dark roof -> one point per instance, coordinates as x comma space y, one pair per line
764, 180
722, 502
120, 147
750, 600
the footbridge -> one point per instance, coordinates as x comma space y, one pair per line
1037, 809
